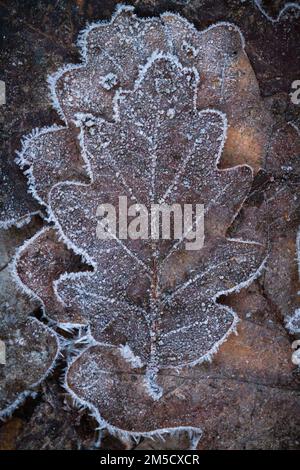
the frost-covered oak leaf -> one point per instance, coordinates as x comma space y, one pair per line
155, 299
135, 128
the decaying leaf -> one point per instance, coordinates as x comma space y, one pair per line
272, 210
31, 348
14, 208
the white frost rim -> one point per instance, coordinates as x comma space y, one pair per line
288, 6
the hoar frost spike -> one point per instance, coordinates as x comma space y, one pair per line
145, 117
